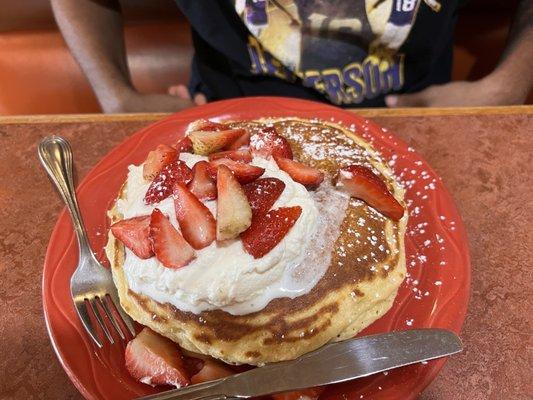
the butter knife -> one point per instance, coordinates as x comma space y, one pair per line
332, 363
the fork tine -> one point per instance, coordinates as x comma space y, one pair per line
98, 317
110, 316
125, 317
81, 309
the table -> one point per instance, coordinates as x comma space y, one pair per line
484, 156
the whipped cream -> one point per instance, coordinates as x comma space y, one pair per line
223, 275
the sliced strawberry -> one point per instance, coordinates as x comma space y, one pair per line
304, 394
207, 142
267, 142
134, 234
202, 184
212, 370
243, 155
267, 230
205, 125
184, 145
263, 193
362, 183
234, 214
161, 186
193, 365
157, 160
244, 173
155, 360
197, 224
242, 141
299, 172
170, 248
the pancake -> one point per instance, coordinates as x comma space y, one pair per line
366, 267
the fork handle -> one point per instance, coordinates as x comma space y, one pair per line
55, 155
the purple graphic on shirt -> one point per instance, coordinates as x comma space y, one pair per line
256, 12
403, 12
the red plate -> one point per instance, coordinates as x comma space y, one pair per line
435, 293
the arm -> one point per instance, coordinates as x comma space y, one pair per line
93, 30
515, 63
509, 83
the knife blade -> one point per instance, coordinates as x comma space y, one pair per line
332, 363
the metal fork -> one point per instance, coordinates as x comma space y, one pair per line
91, 285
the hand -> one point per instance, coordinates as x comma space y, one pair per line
488, 91
182, 92
135, 102
132, 101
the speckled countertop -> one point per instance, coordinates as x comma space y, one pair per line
483, 155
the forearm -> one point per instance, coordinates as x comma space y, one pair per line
93, 30
514, 70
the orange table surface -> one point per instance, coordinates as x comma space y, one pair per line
484, 156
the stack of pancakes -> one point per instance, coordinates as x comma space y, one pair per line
367, 267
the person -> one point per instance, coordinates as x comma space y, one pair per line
347, 52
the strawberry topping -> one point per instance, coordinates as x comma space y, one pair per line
240, 142
155, 360
263, 193
206, 125
267, 230
202, 184
362, 183
243, 155
244, 173
299, 172
170, 248
197, 224
161, 186
134, 233
157, 160
234, 214
207, 142
267, 142
184, 145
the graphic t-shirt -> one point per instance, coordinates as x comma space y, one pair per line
347, 52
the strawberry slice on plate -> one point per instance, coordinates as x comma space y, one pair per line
301, 173
267, 230
242, 155
234, 214
267, 142
210, 371
170, 248
155, 360
184, 145
202, 184
263, 193
207, 142
242, 141
157, 160
161, 186
303, 394
134, 234
193, 365
362, 183
245, 173
197, 224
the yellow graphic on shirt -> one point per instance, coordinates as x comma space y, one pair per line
352, 84
346, 49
